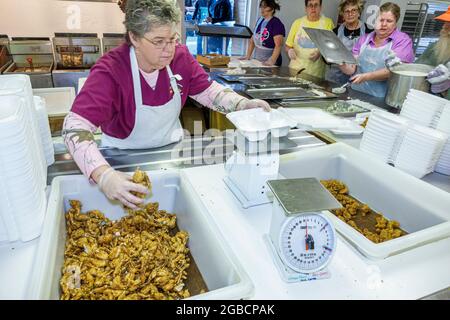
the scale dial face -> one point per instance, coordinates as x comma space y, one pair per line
307, 242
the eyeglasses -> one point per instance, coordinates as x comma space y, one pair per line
352, 11
315, 5
161, 44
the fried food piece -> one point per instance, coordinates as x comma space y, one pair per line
137, 257
141, 177
353, 212
364, 123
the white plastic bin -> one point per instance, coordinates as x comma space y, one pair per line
222, 272
422, 209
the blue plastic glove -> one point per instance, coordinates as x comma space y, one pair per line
392, 60
439, 78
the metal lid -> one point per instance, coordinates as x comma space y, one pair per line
302, 195
330, 46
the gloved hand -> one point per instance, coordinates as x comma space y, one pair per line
244, 58
291, 54
438, 74
117, 185
254, 103
392, 60
314, 56
439, 78
268, 62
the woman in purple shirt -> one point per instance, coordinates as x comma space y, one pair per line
135, 94
370, 75
267, 40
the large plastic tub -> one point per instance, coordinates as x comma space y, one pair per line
219, 267
422, 209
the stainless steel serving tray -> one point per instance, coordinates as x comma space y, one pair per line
343, 109
238, 77
296, 93
270, 82
330, 46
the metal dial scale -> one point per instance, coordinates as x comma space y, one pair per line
302, 240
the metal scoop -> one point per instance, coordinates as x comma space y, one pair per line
341, 89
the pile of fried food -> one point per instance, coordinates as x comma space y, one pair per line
140, 256
374, 226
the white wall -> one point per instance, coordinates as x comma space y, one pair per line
45, 17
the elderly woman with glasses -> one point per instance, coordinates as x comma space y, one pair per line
348, 32
135, 94
370, 75
304, 55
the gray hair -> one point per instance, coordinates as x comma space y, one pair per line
143, 15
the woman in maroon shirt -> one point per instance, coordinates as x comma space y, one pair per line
135, 94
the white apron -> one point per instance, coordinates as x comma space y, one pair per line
154, 126
261, 53
369, 60
334, 74
303, 47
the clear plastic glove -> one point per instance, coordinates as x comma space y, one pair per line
244, 58
314, 56
292, 55
268, 62
438, 74
117, 185
254, 103
392, 60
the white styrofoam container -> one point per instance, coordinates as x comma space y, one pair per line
22, 188
255, 124
422, 209
44, 128
221, 270
313, 118
58, 101
20, 85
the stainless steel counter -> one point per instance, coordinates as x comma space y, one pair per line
188, 153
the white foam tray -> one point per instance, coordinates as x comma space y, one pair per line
221, 270
58, 101
313, 118
256, 124
421, 209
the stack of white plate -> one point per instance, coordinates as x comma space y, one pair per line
443, 164
22, 191
20, 85
422, 108
382, 135
44, 128
443, 124
420, 150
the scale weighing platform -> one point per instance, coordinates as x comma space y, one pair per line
301, 240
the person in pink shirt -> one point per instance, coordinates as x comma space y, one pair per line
135, 94
370, 75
